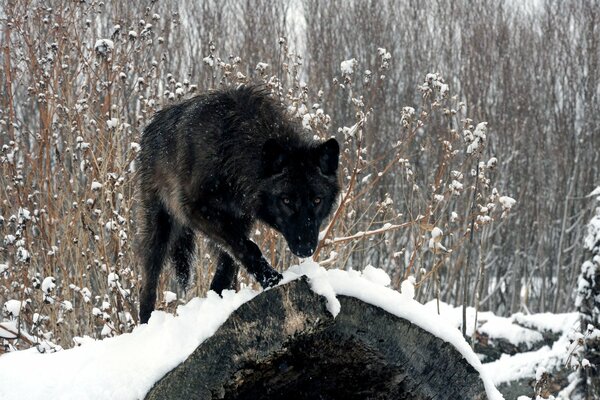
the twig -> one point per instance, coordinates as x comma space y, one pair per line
360, 235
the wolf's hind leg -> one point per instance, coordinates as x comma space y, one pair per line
154, 242
225, 275
183, 247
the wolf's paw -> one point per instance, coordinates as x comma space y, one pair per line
269, 278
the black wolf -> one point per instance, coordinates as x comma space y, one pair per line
216, 163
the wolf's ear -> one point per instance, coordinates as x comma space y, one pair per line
274, 158
329, 155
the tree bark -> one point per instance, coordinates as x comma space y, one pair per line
285, 344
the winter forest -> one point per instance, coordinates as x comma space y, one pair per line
470, 160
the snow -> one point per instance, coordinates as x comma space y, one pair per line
500, 328
119, 367
169, 297
113, 280
539, 373
407, 288
48, 284
555, 323
9, 239
435, 243
385, 57
122, 367
96, 185
66, 305
13, 308
456, 186
8, 329
585, 363
436, 232
518, 330
23, 254
524, 365
507, 202
104, 46
135, 147
261, 67
453, 216
348, 66
592, 238
209, 60
112, 123
376, 275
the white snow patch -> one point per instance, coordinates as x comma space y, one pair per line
48, 284
112, 123
407, 288
66, 305
435, 243
585, 363
261, 67
525, 365
555, 323
96, 185
209, 60
135, 147
503, 328
348, 66
113, 280
104, 46
592, 237
8, 330
120, 367
9, 239
13, 307
376, 275
507, 202
169, 297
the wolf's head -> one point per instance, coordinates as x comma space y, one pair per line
300, 190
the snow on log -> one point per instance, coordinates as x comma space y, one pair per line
285, 343
320, 334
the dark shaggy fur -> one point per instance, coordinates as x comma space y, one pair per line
216, 163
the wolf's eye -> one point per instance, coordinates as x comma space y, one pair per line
286, 201
317, 200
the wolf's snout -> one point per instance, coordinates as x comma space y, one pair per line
303, 250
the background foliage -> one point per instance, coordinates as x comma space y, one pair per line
72, 110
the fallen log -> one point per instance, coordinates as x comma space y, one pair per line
285, 344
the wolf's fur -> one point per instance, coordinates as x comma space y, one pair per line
215, 164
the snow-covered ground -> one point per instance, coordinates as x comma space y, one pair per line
126, 367
522, 331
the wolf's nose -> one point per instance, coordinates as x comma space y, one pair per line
304, 251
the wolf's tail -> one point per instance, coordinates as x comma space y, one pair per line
183, 250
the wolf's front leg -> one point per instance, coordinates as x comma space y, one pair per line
226, 274
252, 259
230, 234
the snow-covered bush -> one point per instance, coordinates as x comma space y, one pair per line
586, 348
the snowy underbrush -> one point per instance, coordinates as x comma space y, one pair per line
541, 345
126, 366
